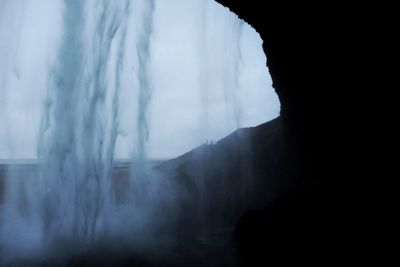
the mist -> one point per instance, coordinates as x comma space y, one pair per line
96, 94
206, 71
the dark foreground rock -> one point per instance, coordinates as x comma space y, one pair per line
245, 170
312, 54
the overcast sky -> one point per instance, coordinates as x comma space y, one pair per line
206, 68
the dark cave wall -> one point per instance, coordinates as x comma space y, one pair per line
299, 42
304, 57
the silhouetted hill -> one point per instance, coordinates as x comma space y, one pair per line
245, 170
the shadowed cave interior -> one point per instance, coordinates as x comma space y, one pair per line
296, 209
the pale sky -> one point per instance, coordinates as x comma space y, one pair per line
206, 69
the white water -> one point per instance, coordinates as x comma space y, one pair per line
86, 82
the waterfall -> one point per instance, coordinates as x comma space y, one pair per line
86, 86
72, 198
80, 133
143, 50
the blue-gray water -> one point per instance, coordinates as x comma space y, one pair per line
84, 83
157, 236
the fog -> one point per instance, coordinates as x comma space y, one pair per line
85, 84
206, 71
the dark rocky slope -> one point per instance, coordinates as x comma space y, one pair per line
311, 60
250, 167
